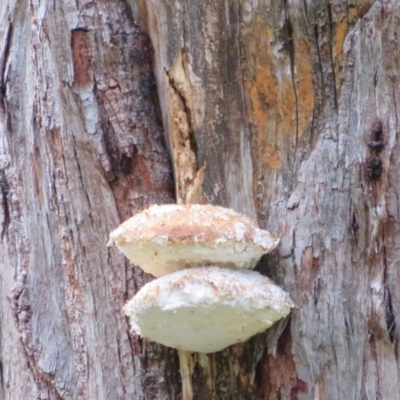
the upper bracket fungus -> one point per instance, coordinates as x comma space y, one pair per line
163, 239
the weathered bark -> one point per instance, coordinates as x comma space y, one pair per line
81, 150
279, 99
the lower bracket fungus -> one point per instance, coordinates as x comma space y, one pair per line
206, 309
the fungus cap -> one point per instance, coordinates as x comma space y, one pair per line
166, 238
206, 309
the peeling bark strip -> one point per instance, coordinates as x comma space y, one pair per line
181, 115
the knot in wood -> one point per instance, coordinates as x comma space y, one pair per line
376, 142
377, 129
376, 145
373, 169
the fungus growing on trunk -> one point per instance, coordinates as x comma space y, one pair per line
206, 309
166, 238
217, 301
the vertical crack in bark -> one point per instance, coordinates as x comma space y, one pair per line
184, 24
348, 330
186, 109
183, 142
305, 10
3, 65
354, 227
4, 189
316, 36
241, 68
291, 51
389, 310
312, 128
396, 113
389, 315
316, 284
1, 377
313, 33
293, 255
331, 54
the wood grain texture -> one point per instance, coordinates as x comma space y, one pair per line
285, 95
280, 99
81, 149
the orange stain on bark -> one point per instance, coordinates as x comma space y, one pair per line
267, 97
273, 91
263, 94
340, 36
341, 30
81, 58
280, 94
304, 84
359, 9
287, 106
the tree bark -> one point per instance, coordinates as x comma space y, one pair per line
283, 101
81, 150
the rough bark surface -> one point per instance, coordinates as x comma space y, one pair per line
282, 99
81, 149
293, 107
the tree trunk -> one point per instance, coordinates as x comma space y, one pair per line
291, 105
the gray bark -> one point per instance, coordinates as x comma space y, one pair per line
280, 99
81, 150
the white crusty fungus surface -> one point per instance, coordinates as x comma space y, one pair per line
206, 309
166, 238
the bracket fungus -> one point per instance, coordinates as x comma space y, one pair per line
217, 301
206, 309
166, 238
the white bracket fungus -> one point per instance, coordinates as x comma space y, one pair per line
163, 239
206, 309
217, 301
